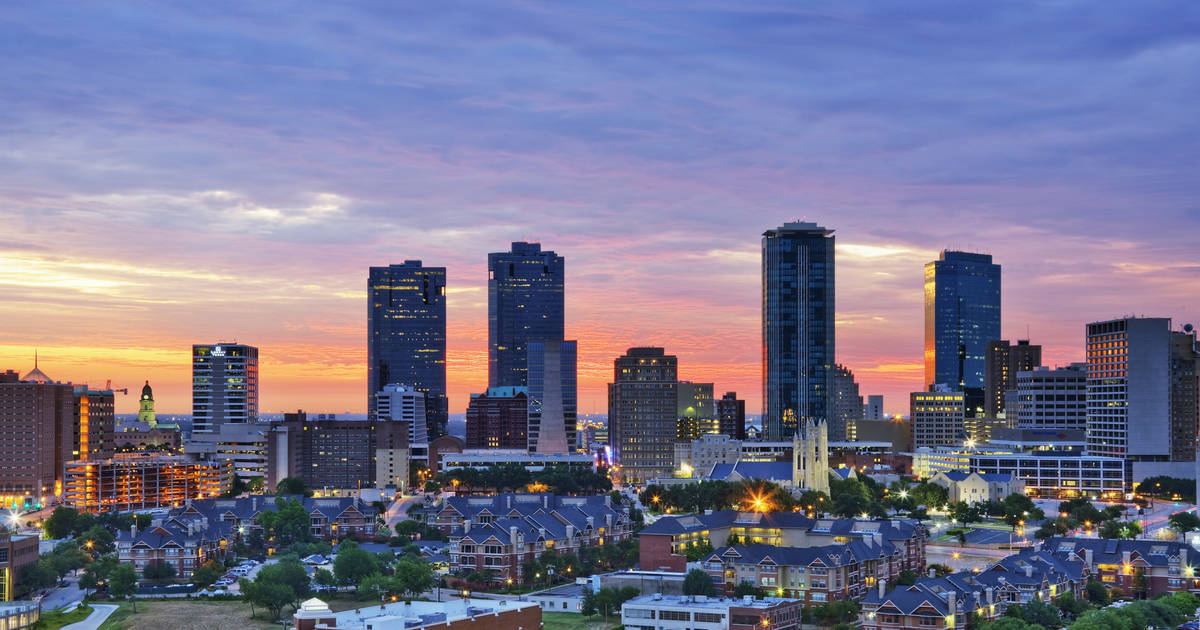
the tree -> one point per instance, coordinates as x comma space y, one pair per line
744, 588
159, 571
964, 513
1017, 507
207, 573
35, 576
941, 570
698, 550
61, 522
1118, 529
849, 505
1184, 522
906, 578
287, 523
814, 501
293, 485
1070, 607
353, 564
323, 577
587, 607
1097, 593
413, 576
1035, 611
97, 572
101, 540
1140, 584
698, 582
122, 583
289, 572
930, 495
271, 596
67, 558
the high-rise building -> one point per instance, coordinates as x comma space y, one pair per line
847, 404
1051, 399
326, 452
1185, 394
146, 411
938, 418
525, 303
1003, 362
874, 407
696, 414
224, 386
962, 314
798, 327
552, 397
36, 428
406, 336
94, 424
498, 418
403, 403
731, 416
642, 407
1129, 388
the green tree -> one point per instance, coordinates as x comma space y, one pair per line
60, 523
1070, 607
352, 564
287, 523
1097, 593
323, 577
744, 588
159, 572
1017, 507
1184, 522
98, 540
35, 576
1118, 529
122, 583
906, 578
965, 513
413, 576
289, 572
698, 550
815, 501
698, 582
930, 495
1035, 611
269, 595
207, 573
587, 607
97, 572
67, 558
293, 486
849, 505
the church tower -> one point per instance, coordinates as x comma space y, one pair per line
810, 457
146, 407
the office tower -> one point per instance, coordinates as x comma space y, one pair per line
403, 403
498, 418
146, 411
552, 397
874, 407
406, 336
328, 453
731, 414
642, 406
847, 405
695, 413
798, 327
36, 425
962, 314
1185, 394
525, 303
94, 423
938, 418
1129, 388
224, 386
1003, 361
1051, 399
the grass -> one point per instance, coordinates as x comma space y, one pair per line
576, 621
55, 619
188, 613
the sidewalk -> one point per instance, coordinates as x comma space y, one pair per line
100, 612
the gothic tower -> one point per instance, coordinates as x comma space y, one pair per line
146, 407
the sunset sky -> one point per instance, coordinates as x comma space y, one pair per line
228, 171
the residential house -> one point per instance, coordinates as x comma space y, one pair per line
975, 487
1142, 568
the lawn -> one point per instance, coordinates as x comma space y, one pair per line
55, 619
188, 613
575, 621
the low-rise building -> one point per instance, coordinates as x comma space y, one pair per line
974, 487
697, 612
16, 553
1139, 567
459, 614
489, 457
329, 517
1046, 474
184, 541
663, 543
138, 482
19, 615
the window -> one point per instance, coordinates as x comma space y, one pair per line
928, 621
674, 615
708, 617
639, 613
818, 597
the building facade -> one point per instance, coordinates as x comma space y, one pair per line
798, 327
458, 614
938, 418
874, 407
553, 395
93, 424
642, 406
1003, 362
1185, 394
813, 575
403, 403
16, 553
1141, 568
1052, 399
326, 452
224, 386
498, 418
698, 612
141, 482
731, 416
847, 404
36, 425
962, 314
526, 290
406, 336
1128, 389
695, 411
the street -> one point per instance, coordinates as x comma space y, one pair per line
63, 596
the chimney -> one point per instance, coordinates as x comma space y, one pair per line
882, 587
508, 502
187, 503
878, 539
133, 530
1183, 555
546, 501
1087, 559
466, 525
952, 601
512, 538
591, 522
1029, 570
990, 594
1125, 557
607, 500
254, 504
932, 573
570, 533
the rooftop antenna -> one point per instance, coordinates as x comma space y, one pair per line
35, 357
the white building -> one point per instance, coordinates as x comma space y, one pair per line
1052, 399
403, 403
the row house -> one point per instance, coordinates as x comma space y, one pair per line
662, 544
505, 543
184, 542
329, 518
953, 600
810, 574
455, 511
1142, 568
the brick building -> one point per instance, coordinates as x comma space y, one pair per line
326, 452
1142, 568
16, 553
498, 418
36, 424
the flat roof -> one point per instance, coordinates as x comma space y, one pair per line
714, 603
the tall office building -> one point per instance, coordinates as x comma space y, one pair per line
938, 418
525, 303
731, 416
962, 314
552, 397
36, 426
642, 407
224, 386
1129, 389
1001, 365
328, 453
403, 403
874, 407
695, 410
1051, 399
798, 327
847, 405
406, 336
94, 423
498, 418
1185, 394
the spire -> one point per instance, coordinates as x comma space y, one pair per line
36, 376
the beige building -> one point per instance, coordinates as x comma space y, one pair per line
974, 487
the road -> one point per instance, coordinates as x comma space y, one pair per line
64, 595
100, 612
398, 511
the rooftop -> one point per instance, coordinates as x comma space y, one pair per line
700, 601
401, 615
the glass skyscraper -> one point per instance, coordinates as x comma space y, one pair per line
962, 315
525, 303
552, 397
224, 386
406, 336
797, 325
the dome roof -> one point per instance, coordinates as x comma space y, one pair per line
37, 376
147, 393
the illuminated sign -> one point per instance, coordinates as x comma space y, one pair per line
218, 351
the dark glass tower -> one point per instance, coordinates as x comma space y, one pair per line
406, 336
962, 314
797, 324
525, 303
552, 397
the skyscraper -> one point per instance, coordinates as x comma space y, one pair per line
403, 403
224, 386
642, 405
552, 397
731, 416
847, 405
498, 418
798, 327
525, 303
1051, 399
1129, 388
94, 423
1001, 365
36, 420
406, 336
962, 314
874, 407
697, 415
1185, 394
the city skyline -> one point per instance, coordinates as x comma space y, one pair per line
244, 196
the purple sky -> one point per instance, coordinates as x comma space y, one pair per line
219, 171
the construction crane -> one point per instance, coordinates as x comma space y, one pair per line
108, 386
